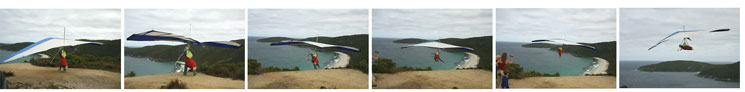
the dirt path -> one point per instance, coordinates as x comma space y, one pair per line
201, 81
310, 79
565, 82
28, 75
444, 79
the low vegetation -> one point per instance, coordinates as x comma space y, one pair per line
516, 72
384, 65
254, 68
174, 84
86, 61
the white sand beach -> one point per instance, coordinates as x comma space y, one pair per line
602, 66
343, 61
473, 60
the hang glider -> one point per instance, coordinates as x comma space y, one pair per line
685, 34
44, 45
317, 44
565, 42
438, 45
153, 35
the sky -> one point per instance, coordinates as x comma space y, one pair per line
431, 23
32, 25
206, 24
304, 23
586, 25
640, 28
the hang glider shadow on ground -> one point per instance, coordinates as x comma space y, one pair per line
44, 45
564, 42
685, 35
438, 45
316, 44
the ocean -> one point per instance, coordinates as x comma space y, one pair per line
144, 66
286, 56
633, 78
546, 61
4, 54
417, 57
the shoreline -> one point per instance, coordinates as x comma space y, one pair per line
342, 62
601, 67
472, 62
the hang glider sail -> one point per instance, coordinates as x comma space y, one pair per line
153, 35
317, 44
685, 34
438, 45
44, 45
565, 42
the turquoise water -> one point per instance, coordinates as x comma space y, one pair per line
417, 57
4, 54
546, 61
143, 66
286, 56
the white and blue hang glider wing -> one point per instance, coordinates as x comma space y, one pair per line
685, 34
226, 44
44, 45
317, 44
438, 45
565, 42
153, 35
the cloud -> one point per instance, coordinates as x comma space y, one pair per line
588, 25
643, 27
303, 23
206, 24
31, 25
431, 23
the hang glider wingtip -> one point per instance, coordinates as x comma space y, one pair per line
539, 40
721, 30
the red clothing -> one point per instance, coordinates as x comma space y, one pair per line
560, 52
686, 47
190, 63
501, 66
62, 60
315, 60
437, 57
